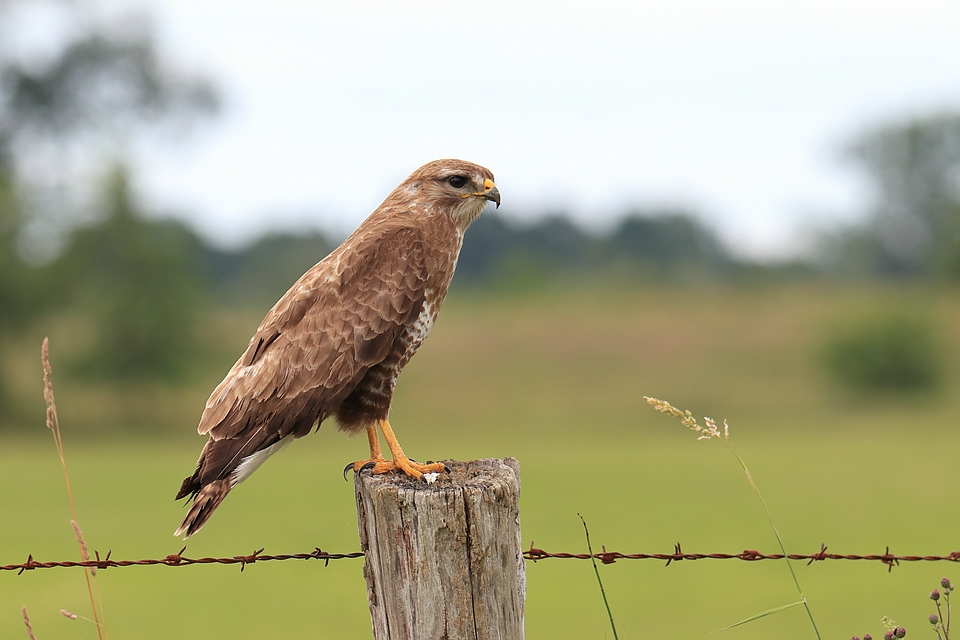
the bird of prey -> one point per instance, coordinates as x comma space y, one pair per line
335, 343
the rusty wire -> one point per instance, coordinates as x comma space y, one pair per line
533, 553
609, 557
179, 560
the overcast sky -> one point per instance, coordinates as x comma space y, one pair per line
734, 108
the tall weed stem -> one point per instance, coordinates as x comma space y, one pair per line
711, 431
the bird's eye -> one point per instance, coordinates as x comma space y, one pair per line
457, 182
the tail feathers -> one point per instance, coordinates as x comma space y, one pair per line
204, 504
229, 461
190, 486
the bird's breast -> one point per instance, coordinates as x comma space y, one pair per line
420, 329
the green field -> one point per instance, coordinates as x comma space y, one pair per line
556, 380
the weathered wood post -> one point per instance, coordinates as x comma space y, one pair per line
444, 560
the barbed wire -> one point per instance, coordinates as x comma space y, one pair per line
533, 554
179, 560
750, 555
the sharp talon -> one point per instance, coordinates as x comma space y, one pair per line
345, 469
369, 465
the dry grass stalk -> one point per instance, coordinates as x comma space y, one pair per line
26, 622
84, 551
67, 614
53, 423
713, 431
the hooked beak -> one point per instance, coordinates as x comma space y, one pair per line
490, 192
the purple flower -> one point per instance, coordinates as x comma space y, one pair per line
935, 595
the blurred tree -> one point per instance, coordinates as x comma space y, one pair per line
65, 108
490, 238
661, 243
141, 280
103, 83
914, 224
886, 351
21, 290
557, 242
508, 254
79, 106
258, 274
666, 241
16, 294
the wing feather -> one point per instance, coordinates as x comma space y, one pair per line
341, 318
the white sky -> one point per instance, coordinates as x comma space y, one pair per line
736, 108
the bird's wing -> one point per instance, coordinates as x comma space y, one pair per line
315, 345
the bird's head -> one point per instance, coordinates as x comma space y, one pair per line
458, 188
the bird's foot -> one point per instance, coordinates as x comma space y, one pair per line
414, 469
408, 466
360, 465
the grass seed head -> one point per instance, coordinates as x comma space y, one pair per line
686, 419
84, 551
47, 383
26, 623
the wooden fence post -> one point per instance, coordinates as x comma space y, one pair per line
444, 560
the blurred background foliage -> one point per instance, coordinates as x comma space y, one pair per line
886, 351
142, 298
913, 222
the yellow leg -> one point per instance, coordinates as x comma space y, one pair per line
374, 440
376, 456
400, 461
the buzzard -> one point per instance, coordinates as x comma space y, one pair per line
335, 343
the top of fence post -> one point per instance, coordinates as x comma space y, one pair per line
444, 560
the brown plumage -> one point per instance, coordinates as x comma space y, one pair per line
335, 343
